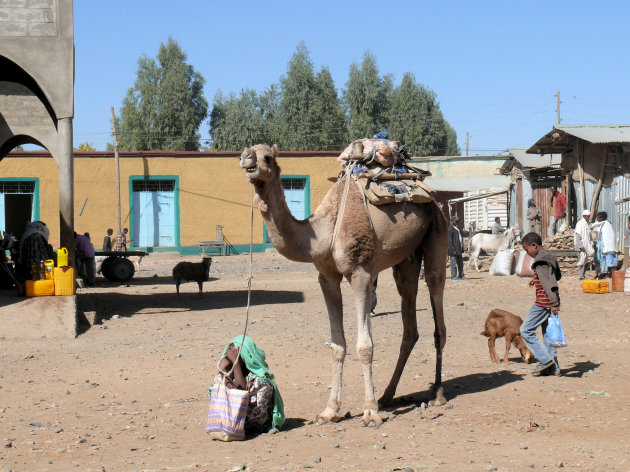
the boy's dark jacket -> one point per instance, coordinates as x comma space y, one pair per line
546, 266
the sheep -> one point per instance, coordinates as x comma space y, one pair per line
192, 271
490, 243
503, 323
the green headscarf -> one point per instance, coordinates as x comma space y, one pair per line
254, 359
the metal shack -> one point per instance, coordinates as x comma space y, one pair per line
596, 167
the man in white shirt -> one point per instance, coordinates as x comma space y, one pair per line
583, 244
606, 248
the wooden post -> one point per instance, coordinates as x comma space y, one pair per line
600, 183
117, 169
467, 141
580, 162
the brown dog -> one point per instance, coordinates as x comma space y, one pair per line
503, 323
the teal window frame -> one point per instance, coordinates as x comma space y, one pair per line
36, 213
134, 178
307, 201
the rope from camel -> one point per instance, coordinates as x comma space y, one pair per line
342, 207
249, 280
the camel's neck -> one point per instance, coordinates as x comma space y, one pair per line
296, 240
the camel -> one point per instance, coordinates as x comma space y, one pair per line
366, 240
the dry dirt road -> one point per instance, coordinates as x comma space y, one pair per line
130, 394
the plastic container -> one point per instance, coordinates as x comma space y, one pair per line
49, 264
62, 257
595, 286
618, 277
39, 288
64, 280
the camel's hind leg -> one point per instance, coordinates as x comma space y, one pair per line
406, 275
330, 284
435, 248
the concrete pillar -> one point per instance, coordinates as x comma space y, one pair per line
65, 162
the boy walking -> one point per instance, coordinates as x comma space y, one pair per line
546, 276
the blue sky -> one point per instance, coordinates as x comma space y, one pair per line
494, 65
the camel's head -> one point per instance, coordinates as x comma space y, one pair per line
259, 162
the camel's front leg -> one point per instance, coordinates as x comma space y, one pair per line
330, 284
361, 282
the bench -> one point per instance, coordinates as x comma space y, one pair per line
218, 245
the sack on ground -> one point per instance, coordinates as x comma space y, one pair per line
503, 263
227, 412
524, 265
555, 333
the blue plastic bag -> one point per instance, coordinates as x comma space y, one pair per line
555, 333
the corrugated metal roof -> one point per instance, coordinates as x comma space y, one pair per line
598, 134
469, 184
531, 161
559, 140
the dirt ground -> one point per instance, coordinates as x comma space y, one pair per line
130, 393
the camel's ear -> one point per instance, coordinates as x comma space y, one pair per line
274, 149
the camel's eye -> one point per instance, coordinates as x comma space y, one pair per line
267, 159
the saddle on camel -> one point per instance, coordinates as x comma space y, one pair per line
380, 169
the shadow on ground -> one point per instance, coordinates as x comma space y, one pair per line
465, 385
106, 305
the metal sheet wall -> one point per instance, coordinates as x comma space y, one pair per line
621, 189
541, 192
485, 210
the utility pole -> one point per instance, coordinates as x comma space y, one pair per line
558, 102
467, 142
117, 169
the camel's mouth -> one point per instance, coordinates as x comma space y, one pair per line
252, 172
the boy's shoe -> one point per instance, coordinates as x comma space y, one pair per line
540, 368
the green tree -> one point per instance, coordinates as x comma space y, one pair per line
297, 125
86, 147
452, 148
415, 119
332, 128
239, 122
365, 98
165, 107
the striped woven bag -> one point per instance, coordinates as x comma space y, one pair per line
227, 412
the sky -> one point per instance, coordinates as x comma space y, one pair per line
495, 65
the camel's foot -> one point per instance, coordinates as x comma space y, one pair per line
437, 397
386, 399
371, 418
328, 416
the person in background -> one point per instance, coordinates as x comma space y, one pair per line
34, 248
583, 244
546, 276
558, 212
107, 240
606, 248
534, 216
496, 226
626, 245
121, 240
455, 250
84, 255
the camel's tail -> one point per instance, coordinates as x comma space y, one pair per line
484, 333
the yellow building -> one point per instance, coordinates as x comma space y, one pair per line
170, 201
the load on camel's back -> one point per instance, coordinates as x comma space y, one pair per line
490, 243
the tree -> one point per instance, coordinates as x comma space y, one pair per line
332, 127
239, 122
365, 98
452, 148
86, 147
415, 119
165, 107
297, 126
